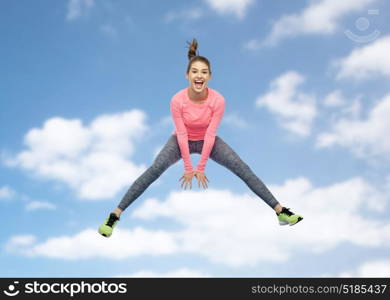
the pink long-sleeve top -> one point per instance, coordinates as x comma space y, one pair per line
196, 121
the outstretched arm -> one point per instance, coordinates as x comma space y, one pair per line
182, 135
211, 132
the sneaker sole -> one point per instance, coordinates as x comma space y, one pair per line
104, 234
283, 223
299, 220
291, 224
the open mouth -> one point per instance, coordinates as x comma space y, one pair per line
198, 84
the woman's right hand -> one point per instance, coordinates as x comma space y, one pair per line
187, 180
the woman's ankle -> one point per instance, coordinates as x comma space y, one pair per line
278, 208
117, 211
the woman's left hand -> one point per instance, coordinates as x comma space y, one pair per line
202, 179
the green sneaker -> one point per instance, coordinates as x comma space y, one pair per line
286, 217
106, 228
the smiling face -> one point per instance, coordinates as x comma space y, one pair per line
198, 76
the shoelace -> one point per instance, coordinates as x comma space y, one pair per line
112, 220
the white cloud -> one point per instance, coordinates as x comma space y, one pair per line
18, 242
90, 244
354, 110
366, 62
253, 44
179, 273
234, 7
375, 268
208, 218
319, 17
187, 14
6, 192
342, 107
234, 120
335, 99
387, 184
39, 205
78, 8
294, 110
93, 160
232, 229
364, 138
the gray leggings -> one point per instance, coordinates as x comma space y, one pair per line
221, 153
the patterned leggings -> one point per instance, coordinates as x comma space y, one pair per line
221, 154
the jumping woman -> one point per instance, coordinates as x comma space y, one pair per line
196, 112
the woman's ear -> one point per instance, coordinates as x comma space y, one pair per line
186, 75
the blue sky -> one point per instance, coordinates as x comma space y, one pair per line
85, 90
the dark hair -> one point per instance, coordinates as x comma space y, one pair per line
193, 55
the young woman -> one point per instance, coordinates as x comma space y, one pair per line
197, 111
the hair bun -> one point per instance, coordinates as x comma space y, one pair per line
193, 46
